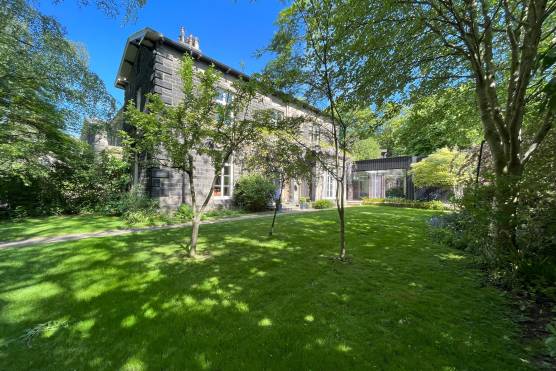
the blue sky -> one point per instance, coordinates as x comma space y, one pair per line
230, 31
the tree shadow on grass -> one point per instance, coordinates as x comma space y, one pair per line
134, 302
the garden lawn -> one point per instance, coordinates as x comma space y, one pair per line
53, 226
252, 302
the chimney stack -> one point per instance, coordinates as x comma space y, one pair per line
191, 41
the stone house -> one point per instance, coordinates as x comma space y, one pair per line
150, 63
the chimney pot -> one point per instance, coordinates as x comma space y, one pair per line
182, 35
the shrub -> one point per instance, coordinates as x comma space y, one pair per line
550, 341
184, 213
134, 200
402, 202
370, 200
434, 205
81, 181
141, 217
440, 169
254, 192
322, 204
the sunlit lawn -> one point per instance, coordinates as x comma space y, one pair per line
57, 226
134, 302
54, 226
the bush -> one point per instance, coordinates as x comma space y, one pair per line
434, 205
322, 204
184, 213
141, 217
402, 202
371, 200
550, 341
131, 201
254, 192
471, 228
440, 169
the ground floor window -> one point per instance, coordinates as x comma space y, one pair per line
380, 184
224, 186
329, 186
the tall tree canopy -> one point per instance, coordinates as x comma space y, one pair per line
448, 118
46, 88
505, 48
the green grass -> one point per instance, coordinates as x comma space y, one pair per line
133, 302
54, 226
57, 226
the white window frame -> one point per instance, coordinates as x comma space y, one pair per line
228, 96
315, 134
329, 186
225, 100
230, 163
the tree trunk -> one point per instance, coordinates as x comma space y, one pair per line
196, 218
194, 234
135, 168
479, 162
276, 207
341, 206
505, 222
342, 220
197, 214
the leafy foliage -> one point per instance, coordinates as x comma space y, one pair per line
280, 157
365, 149
403, 202
323, 204
447, 119
254, 192
440, 169
46, 88
502, 50
471, 229
551, 339
84, 182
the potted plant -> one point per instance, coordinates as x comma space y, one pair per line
303, 203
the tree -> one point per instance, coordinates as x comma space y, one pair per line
199, 126
440, 169
281, 159
307, 62
46, 88
365, 149
445, 119
504, 48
